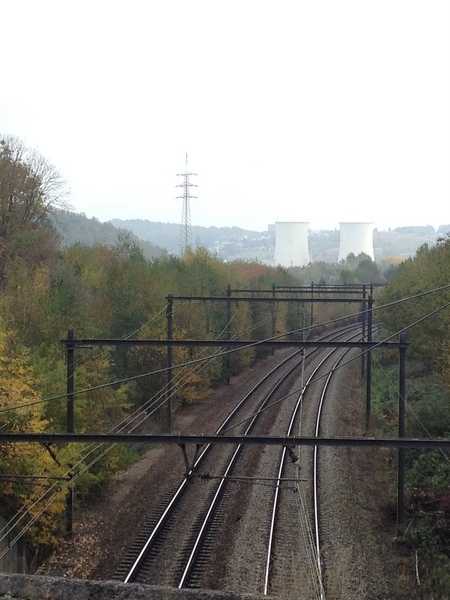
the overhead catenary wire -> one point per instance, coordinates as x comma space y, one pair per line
117, 382
91, 449
154, 317
411, 410
161, 398
126, 421
32, 500
232, 350
48, 398
220, 353
310, 545
72, 479
345, 363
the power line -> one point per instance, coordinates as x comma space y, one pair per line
251, 344
423, 443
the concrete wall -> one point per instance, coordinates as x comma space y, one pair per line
18, 559
36, 587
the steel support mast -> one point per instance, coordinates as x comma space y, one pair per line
186, 230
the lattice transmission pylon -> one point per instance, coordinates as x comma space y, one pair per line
186, 228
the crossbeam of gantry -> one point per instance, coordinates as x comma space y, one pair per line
265, 299
231, 343
247, 440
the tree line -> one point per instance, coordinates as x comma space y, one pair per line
99, 291
115, 290
417, 301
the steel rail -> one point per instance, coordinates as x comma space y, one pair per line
220, 488
275, 503
132, 573
315, 465
162, 520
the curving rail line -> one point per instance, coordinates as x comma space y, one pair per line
289, 431
132, 572
154, 538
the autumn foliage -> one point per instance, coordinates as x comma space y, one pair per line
103, 292
98, 292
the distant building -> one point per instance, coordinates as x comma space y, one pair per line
355, 238
291, 244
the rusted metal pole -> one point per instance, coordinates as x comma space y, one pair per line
70, 348
228, 358
369, 363
363, 327
169, 316
401, 434
274, 315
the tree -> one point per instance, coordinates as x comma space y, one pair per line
29, 187
428, 333
22, 411
367, 270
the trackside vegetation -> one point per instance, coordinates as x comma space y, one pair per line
99, 292
417, 300
115, 291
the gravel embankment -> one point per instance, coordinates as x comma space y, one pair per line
357, 556
357, 550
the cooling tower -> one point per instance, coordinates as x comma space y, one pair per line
355, 238
291, 244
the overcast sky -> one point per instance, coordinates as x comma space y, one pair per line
290, 110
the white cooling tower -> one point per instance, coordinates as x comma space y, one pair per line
291, 244
355, 238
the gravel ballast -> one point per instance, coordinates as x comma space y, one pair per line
358, 557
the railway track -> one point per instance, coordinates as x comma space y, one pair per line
204, 521
304, 504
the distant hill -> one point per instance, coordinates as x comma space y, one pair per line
76, 228
402, 242
232, 243
229, 243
